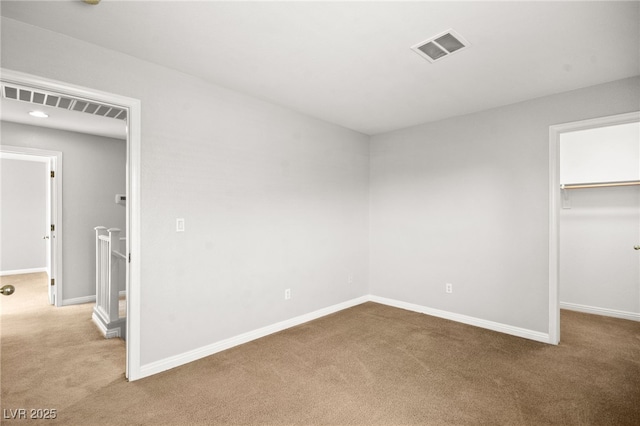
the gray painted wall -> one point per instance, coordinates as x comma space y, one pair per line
23, 189
93, 173
272, 199
466, 201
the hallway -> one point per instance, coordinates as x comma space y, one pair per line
68, 359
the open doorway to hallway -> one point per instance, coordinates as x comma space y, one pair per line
84, 100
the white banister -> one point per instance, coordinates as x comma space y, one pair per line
119, 255
108, 258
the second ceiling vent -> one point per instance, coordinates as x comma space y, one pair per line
39, 97
441, 46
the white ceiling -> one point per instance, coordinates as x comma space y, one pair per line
350, 63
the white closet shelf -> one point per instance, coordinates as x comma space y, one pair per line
599, 184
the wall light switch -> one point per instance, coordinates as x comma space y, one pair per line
180, 225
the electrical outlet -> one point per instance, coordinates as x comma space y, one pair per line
179, 224
287, 294
448, 287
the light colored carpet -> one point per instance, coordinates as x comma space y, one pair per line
368, 365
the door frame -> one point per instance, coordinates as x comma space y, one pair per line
133, 107
53, 160
555, 203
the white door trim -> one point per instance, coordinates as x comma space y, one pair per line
132, 369
53, 159
555, 202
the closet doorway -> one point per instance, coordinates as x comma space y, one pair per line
595, 218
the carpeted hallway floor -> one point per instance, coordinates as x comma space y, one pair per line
368, 365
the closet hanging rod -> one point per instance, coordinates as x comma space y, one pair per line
599, 184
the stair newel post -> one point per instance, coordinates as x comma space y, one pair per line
100, 230
114, 245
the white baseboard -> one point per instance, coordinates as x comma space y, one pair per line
79, 300
184, 358
85, 299
23, 271
108, 333
490, 325
633, 316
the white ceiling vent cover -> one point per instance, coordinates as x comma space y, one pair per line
440, 46
25, 94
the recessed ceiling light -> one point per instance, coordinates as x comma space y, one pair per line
38, 114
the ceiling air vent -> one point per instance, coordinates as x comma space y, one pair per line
441, 46
43, 98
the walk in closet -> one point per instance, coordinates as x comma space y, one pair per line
600, 221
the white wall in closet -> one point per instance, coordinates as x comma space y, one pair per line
604, 154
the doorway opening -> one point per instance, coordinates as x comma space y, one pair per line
560, 196
50, 214
133, 142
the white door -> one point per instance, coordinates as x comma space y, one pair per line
50, 232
